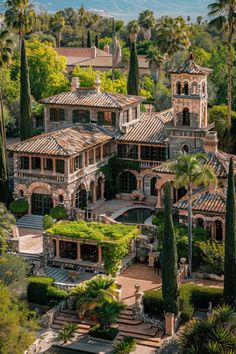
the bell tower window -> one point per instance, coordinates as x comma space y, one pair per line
186, 117
185, 149
178, 88
186, 89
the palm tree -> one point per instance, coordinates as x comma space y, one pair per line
154, 59
173, 35
210, 336
20, 16
67, 332
147, 21
57, 24
191, 171
224, 13
82, 18
133, 29
70, 17
107, 312
6, 49
7, 221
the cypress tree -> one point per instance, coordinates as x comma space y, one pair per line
4, 187
169, 258
88, 40
133, 77
26, 124
96, 41
230, 242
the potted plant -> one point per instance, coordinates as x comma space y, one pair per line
142, 254
67, 332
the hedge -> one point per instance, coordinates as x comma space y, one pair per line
58, 212
192, 297
19, 206
41, 291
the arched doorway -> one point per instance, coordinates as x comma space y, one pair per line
200, 222
128, 182
91, 196
81, 197
219, 231
153, 190
186, 89
41, 203
185, 149
186, 117
99, 188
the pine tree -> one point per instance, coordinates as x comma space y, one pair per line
169, 258
26, 124
88, 40
133, 77
96, 41
230, 242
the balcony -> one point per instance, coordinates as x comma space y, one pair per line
96, 166
37, 176
149, 164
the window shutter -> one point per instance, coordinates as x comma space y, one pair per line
100, 118
113, 119
87, 116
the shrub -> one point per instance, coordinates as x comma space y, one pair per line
192, 297
58, 213
41, 291
126, 346
213, 256
108, 334
153, 302
19, 206
47, 222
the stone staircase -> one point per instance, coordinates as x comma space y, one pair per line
31, 222
60, 275
143, 333
30, 257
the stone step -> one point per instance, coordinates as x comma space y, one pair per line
31, 222
30, 256
131, 321
127, 317
74, 319
143, 342
156, 339
139, 329
77, 331
127, 311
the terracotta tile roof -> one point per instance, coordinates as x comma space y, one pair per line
150, 128
81, 52
190, 67
89, 97
106, 62
219, 162
205, 201
64, 142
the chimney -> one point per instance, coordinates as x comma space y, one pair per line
106, 48
93, 52
211, 142
97, 84
75, 84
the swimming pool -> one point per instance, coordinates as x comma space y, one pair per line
134, 215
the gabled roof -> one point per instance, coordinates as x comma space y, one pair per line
190, 67
106, 62
205, 201
81, 52
149, 129
218, 161
64, 142
90, 98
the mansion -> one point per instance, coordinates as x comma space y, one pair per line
84, 128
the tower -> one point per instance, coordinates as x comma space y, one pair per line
189, 99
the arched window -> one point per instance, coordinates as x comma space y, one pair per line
153, 190
194, 88
219, 231
128, 182
200, 222
21, 193
185, 149
178, 88
61, 199
186, 117
186, 89
81, 197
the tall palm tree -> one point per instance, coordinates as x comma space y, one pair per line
191, 171
20, 15
224, 18
70, 16
155, 60
82, 18
146, 20
6, 48
57, 24
133, 29
173, 35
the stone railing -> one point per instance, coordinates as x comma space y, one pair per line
148, 164
42, 177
